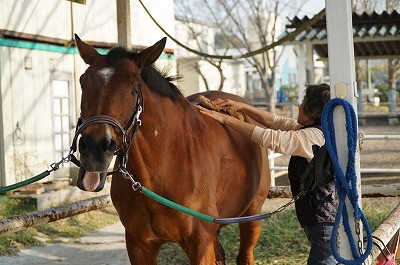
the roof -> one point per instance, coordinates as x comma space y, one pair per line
375, 35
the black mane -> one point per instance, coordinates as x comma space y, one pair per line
156, 81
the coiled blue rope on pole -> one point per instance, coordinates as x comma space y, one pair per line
346, 183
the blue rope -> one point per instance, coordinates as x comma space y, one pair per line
346, 184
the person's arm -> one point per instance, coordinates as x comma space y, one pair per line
240, 126
293, 142
263, 117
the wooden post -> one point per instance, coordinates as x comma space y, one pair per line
342, 79
124, 23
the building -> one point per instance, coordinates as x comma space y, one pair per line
198, 74
40, 69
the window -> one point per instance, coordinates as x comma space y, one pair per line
61, 118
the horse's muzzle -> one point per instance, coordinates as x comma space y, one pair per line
96, 156
91, 181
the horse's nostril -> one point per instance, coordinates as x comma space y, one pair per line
82, 145
109, 145
88, 145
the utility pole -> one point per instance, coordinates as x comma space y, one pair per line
124, 23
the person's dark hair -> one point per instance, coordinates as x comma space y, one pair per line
314, 101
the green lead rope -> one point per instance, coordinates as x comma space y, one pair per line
203, 216
159, 199
25, 182
176, 206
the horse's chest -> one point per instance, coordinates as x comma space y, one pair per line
156, 221
168, 228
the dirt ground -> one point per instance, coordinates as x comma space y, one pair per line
381, 153
104, 247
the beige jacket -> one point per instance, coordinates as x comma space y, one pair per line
285, 137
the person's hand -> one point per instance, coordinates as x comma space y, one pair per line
219, 117
227, 104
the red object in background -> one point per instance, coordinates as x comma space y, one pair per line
387, 260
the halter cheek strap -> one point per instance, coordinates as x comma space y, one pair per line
122, 151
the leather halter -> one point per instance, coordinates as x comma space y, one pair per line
132, 130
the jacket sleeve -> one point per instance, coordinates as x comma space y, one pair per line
289, 142
284, 124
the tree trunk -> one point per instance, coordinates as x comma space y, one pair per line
272, 90
222, 78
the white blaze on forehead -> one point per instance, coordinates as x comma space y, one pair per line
106, 73
108, 132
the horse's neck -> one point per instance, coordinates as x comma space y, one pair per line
160, 131
159, 110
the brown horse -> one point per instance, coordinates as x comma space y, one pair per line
178, 153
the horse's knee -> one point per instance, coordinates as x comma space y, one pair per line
249, 233
219, 251
203, 248
141, 253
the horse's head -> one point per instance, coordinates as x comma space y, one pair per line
111, 96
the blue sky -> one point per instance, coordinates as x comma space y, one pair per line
311, 8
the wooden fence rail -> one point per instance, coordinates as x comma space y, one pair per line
23, 221
20, 222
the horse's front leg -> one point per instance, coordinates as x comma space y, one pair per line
141, 253
201, 247
249, 234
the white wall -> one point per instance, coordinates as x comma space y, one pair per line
27, 100
144, 30
205, 38
234, 77
190, 80
95, 21
47, 18
26, 95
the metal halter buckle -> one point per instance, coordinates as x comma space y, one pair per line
56, 165
135, 185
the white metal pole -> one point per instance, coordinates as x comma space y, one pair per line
343, 84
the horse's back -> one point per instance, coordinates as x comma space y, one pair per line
214, 94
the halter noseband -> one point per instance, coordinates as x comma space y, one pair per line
122, 151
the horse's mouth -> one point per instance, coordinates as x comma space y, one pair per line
91, 181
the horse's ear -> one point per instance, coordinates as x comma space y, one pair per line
87, 52
149, 55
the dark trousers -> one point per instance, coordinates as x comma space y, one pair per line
319, 236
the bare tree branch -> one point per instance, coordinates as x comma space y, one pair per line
249, 24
